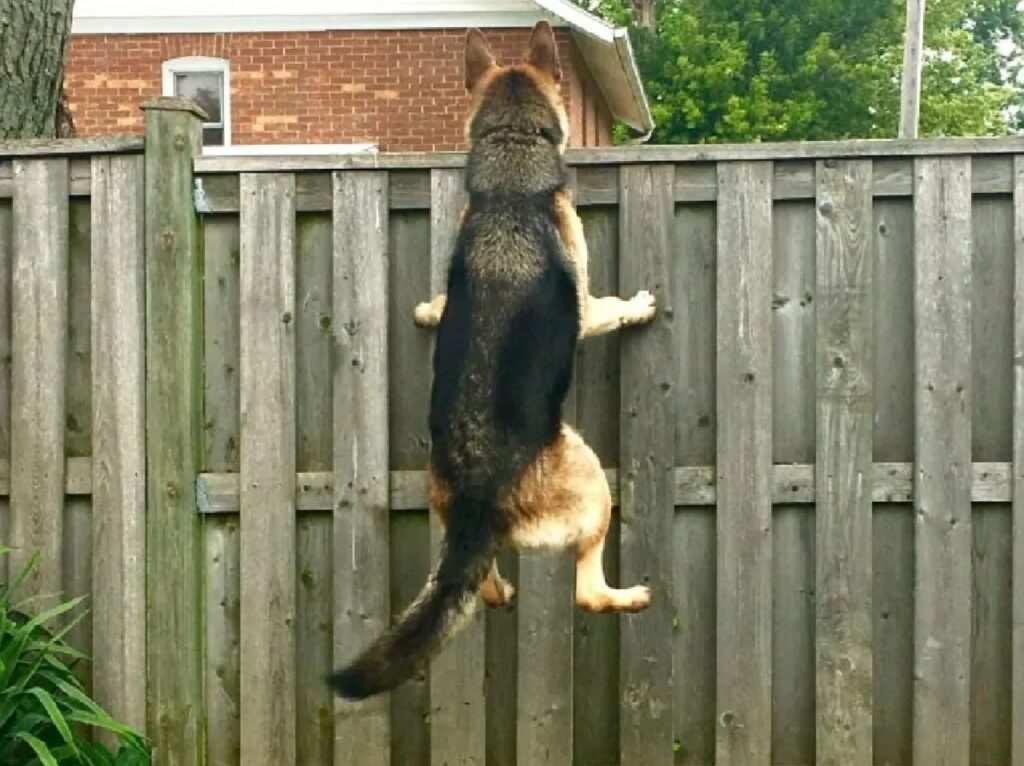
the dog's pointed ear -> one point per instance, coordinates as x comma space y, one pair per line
543, 51
478, 58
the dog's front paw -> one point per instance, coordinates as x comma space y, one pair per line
641, 308
425, 315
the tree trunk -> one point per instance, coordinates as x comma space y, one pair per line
645, 17
33, 41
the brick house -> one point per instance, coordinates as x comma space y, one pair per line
333, 75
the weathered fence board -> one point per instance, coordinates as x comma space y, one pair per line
647, 458
362, 731
173, 421
6, 258
693, 285
267, 420
38, 338
844, 443
744, 460
793, 438
118, 437
942, 629
221, 565
1017, 638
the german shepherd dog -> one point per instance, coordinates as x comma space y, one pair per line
504, 468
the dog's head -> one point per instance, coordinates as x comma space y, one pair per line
521, 100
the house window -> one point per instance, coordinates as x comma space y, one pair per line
207, 81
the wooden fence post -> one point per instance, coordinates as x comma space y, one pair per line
174, 411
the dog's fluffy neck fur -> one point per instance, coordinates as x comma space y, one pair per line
513, 163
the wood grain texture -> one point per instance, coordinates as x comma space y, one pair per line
173, 422
221, 552
992, 286
744, 461
893, 534
843, 467
596, 636
457, 705
646, 463
267, 420
39, 326
694, 529
1017, 639
362, 731
6, 259
793, 438
942, 303
314, 725
119, 437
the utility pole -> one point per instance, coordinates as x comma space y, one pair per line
645, 16
913, 46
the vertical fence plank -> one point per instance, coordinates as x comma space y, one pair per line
173, 420
39, 346
267, 482
361, 525
793, 437
942, 486
647, 465
744, 463
694, 662
220, 535
843, 466
6, 258
314, 443
457, 704
545, 603
1017, 646
596, 649
118, 438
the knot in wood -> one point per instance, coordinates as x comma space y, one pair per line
167, 239
171, 490
178, 142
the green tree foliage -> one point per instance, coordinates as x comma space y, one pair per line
777, 70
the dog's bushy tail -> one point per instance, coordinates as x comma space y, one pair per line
438, 612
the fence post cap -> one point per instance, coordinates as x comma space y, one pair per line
174, 104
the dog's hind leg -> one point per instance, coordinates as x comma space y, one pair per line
564, 501
592, 590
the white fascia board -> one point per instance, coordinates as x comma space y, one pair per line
297, 23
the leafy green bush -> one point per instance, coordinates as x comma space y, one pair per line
44, 711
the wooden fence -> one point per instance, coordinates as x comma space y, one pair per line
816, 448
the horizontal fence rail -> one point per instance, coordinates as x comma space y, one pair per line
213, 407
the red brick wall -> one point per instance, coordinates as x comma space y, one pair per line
402, 90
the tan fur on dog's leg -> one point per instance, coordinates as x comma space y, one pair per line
564, 500
592, 590
604, 315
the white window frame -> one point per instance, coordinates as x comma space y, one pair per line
187, 64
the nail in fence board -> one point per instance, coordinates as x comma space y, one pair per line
457, 703
843, 468
118, 437
267, 481
942, 480
361, 527
647, 465
39, 345
744, 465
